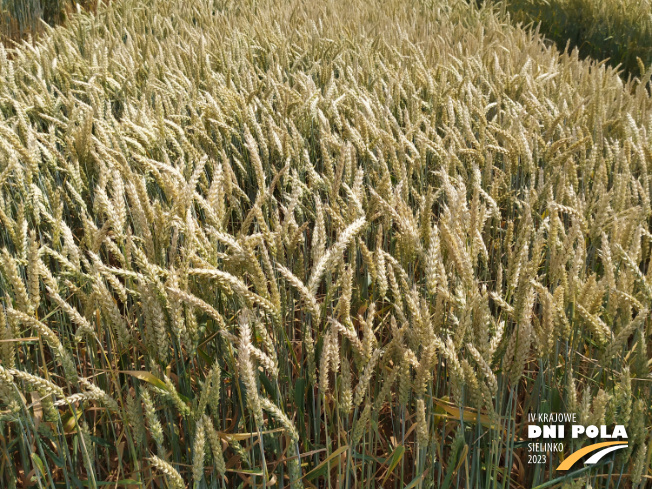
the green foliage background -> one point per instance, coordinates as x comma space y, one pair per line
618, 30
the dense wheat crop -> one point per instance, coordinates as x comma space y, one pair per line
329, 244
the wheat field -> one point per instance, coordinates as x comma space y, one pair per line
318, 244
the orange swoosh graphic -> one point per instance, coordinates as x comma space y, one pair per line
575, 456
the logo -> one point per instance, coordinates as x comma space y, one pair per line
603, 449
553, 427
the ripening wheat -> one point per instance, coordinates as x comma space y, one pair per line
322, 244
